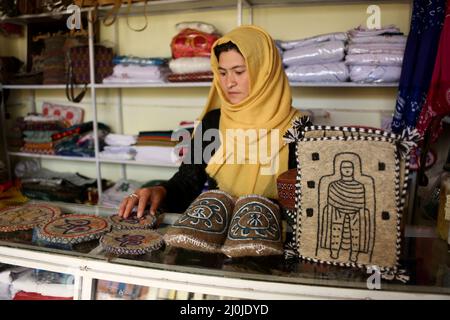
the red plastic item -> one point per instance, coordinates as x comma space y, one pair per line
22, 295
192, 43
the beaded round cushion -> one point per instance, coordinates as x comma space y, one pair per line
26, 217
73, 229
119, 223
131, 242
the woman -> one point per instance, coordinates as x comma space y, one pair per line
250, 91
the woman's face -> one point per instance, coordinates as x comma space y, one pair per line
234, 76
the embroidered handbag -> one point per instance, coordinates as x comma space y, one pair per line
78, 68
351, 186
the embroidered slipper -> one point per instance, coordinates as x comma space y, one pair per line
204, 225
255, 228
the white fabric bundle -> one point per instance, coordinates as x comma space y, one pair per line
288, 45
118, 153
157, 154
379, 39
375, 74
43, 118
196, 25
376, 59
366, 32
394, 48
332, 72
325, 52
190, 65
137, 72
114, 139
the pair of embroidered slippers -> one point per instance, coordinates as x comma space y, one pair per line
215, 222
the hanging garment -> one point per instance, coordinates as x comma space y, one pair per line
420, 53
437, 105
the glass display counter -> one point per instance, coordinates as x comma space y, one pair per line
193, 274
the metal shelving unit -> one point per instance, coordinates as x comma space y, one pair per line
157, 7
199, 85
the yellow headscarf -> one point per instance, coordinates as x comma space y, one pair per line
268, 106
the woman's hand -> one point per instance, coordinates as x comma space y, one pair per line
154, 195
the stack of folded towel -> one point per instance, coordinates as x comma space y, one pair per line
375, 55
316, 59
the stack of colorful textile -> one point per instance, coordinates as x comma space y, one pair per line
129, 69
375, 55
38, 130
79, 140
191, 51
156, 138
156, 146
316, 59
119, 147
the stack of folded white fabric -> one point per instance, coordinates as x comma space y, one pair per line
119, 147
157, 155
316, 59
375, 55
132, 73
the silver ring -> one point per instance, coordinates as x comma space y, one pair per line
133, 195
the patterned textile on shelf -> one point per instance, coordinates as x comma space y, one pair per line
204, 225
350, 195
437, 105
420, 54
191, 77
73, 115
255, 229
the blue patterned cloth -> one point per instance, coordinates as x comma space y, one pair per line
420, 54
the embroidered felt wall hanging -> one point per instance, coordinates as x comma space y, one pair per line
350, 194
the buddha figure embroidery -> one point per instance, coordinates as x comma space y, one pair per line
347, 220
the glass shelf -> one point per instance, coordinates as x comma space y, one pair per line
426, 259
101, 160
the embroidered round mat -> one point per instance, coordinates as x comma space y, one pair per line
26, 217
119, 223
74, 228
131, 242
